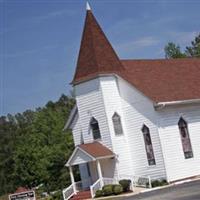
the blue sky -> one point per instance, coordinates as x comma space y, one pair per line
40, 39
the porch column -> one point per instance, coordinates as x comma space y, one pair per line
99, 172
72, 178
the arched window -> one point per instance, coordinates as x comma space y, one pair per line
148, 145
185, 138
117, 124
94, 125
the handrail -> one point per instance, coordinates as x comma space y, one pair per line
68, 192
72, 189
94, 187
100, 183
144, 181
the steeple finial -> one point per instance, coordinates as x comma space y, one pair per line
88, 6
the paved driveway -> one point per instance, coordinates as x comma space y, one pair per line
186, 191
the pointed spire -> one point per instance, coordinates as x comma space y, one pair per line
88, 6
96, 55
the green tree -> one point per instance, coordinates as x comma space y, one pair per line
173, 51
194, 49
34, 148
7, 145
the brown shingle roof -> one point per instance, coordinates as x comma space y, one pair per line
96, 149
21, 189
165, 80
161, 80
96, 55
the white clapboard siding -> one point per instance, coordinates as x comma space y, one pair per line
102, 97
80, 157
138, 110
108, 167
76, 130
90, 104
112, 102
177, 166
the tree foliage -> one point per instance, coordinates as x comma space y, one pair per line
173, 51
34, 148
194, 49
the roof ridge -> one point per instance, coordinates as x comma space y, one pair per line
157, 59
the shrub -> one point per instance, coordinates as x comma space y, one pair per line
125, 184
156, 183
56, 196
117, 189
107, 190
99, 193
164, 182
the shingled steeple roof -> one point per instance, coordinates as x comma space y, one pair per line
162, 80
96, 55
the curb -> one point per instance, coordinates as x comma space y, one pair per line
149, 190
170, 185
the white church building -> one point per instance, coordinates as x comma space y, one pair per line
134, 119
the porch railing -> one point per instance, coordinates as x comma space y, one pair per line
78, 186
96, 186
141, 181
68, 192
100, 183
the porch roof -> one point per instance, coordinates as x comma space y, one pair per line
89, 152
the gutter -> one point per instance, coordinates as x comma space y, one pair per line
161, 105
94, 76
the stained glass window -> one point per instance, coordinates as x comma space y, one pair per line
185, 138
95, 129
117, 124
148, 145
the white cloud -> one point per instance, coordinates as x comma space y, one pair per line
137, 44
52, 15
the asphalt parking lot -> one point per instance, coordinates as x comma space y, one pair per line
185, 191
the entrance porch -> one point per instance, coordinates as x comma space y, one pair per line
97, 165
95, 162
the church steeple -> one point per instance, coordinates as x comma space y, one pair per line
88, 6
96, 55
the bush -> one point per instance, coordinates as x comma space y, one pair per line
56, 196
156, 183
107, 190
125, 184
117, 189
99, 193
164, 182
